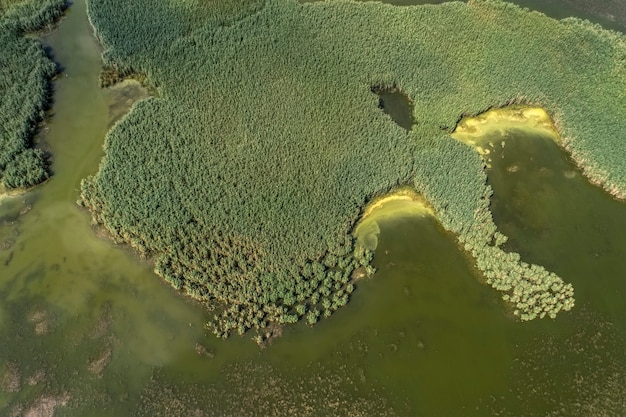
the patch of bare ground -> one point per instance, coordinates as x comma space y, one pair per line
101, 331
36, 378
25, 209
103, 324
7, 244
203, 350
272, 332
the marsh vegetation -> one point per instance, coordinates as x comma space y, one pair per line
247, 185
25, 73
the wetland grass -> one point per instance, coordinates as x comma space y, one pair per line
272, 114
25, 73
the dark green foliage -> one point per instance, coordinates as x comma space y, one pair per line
247, 175
25, 73
25, 170
461, 202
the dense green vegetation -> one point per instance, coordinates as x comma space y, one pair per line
247, 175
25, 73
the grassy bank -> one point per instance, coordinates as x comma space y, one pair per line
247, 176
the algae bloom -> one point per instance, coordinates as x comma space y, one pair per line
402, 203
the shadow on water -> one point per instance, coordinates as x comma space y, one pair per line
396, 104
122, 96
50, 54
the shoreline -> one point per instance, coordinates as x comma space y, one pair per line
596, 176
407, 194
16, 192
474, 130
400, 203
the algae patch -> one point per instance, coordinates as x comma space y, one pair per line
479, 130
399, 204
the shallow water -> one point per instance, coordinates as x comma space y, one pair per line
85, 321
555, 218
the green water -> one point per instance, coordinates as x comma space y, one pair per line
557, 219
86, 324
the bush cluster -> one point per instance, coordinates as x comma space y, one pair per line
246, 176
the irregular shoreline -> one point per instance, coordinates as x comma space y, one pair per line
221, 186
474, 130
535, 119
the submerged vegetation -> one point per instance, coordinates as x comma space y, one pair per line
25, 72
246, 177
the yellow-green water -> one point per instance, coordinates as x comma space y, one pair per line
85, 323
400, 204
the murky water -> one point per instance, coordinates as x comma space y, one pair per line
397, 105
88, 329
610, 14
557, 219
